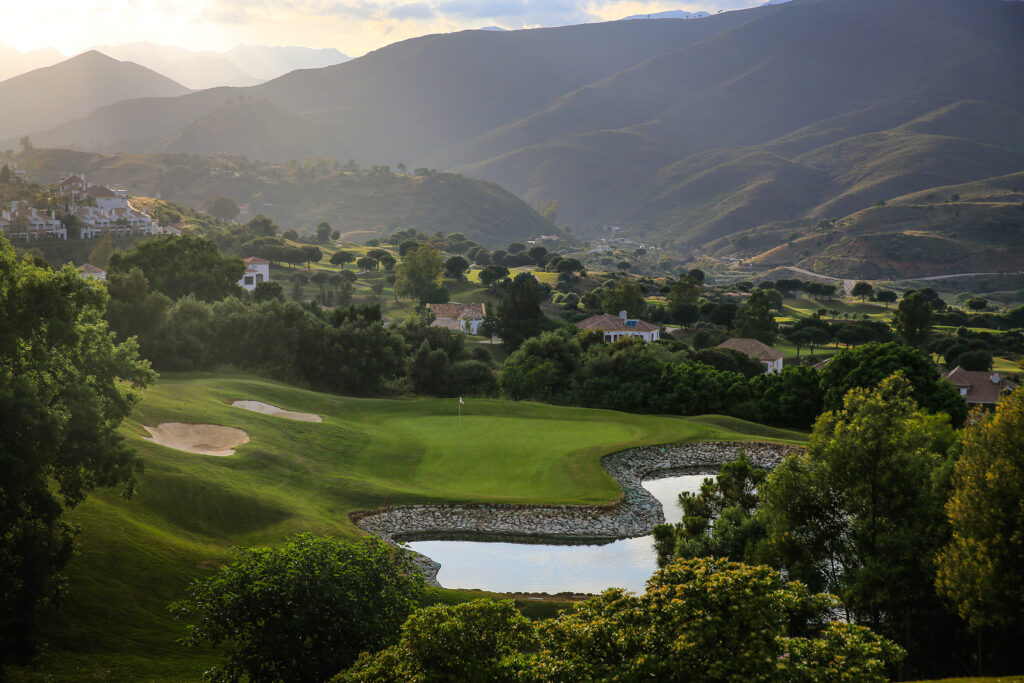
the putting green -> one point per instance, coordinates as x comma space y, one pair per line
136, 556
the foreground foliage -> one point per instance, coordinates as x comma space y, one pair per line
982, 568
301, 611
701, 619
65, 386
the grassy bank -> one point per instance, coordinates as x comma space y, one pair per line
135, 556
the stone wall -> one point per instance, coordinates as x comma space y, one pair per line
635, 513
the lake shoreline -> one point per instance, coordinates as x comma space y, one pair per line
634, 513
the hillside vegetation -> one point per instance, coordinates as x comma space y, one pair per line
369, 203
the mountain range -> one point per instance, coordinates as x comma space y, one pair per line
681, 133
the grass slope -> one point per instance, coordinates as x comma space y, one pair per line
135, 556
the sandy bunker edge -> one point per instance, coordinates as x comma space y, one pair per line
268, 409
204, 439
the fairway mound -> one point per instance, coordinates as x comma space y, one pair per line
197, 438
267, 409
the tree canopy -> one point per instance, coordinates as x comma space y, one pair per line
65, 387
182, 266
302, 611
982, 568
419, 274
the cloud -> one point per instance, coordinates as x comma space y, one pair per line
415, 10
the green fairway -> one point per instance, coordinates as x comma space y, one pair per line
137, 555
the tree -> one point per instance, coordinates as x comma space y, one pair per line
268, 291
913, 320
262, 226
709, 620
323, 232
886, 296
222, 207
456, 267
340, 258
867, 365
388, 262
419, 273
754, 320
718, 521
860, 513
982, 568
366, 263
65, 387
685, 291
491, 274
538, 254
625, 296
311, 254
862, 289
810, 332
302, 611
791, 398
179, 266
624, 265
476, 642
519, 315
977, 304
979, 359
548, 209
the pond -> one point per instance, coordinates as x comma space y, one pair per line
553, 568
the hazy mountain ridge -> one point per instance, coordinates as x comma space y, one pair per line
681, 132
46, 96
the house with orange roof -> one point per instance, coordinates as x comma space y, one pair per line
756, 349
458, 317
615, 327
257, 270
979, 387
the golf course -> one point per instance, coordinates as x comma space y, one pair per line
136, 555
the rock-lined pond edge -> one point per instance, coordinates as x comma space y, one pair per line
635, 513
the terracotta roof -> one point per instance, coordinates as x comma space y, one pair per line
457, 310
822, 364
90, 269
449, 323
982, 386
751, 347
254, 259
614, 323
100, 191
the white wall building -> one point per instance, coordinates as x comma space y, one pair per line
257, 270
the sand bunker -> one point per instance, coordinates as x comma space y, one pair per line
194, 438
267, 409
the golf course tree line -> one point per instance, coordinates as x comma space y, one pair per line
65, 387
577, 368
915, 526
316, 607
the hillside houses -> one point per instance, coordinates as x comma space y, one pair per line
98, 209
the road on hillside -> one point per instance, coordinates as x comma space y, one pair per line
848, 284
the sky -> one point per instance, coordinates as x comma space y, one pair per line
352, 26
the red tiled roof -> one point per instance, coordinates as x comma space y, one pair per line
254, 259
90, 269
614, 323
457, 310
983, 386
751, 347
100, 191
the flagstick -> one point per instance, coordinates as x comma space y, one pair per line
460, 412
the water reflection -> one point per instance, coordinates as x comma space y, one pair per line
510, 567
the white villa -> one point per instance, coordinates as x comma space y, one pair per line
25, 222
458, 317
98, 209
257, 270
615, 327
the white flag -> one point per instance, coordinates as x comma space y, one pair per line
461, 402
